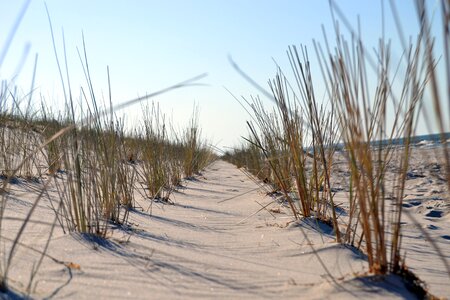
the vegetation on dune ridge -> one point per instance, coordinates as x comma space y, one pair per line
291, 147
96, 166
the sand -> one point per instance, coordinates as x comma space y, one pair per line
211, 243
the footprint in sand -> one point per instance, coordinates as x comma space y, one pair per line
413, 175
435, 213
415, 202
432, 227
412, 203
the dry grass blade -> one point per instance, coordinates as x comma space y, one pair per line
13, 31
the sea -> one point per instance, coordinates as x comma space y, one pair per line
426, 140
423, 140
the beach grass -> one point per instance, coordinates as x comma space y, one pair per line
86, 154
98, 166
373, 101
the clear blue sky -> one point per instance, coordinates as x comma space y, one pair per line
149, 45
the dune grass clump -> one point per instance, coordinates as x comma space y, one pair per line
93, 163
97, 184
372, 103
85, 153
311, 134
297, 142
250, 158
165, 157
364, 114
155, 155
378, 102
197, 154
275, 152
51, 125
104, 167
22, 147
19, 137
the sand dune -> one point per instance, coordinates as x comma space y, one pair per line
211, 244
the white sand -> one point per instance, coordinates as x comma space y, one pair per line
200, 248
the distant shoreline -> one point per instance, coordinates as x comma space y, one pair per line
428, 140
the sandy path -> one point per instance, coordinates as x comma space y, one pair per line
201, 248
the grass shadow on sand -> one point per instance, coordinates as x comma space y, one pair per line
159, 266
391, 284
178, 223
12, 295
316, 225
204, 210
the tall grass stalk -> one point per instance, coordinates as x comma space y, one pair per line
156, 169
197, 154
297, 140
250, 158
439, 89
364, 111
320, 128
270, 141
